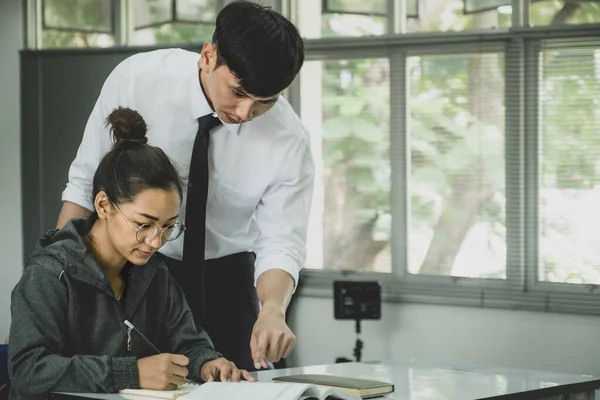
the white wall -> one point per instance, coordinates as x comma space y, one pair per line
448, 334
11, 41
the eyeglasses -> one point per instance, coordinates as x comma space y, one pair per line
146, 233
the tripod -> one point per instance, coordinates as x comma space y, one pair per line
359, 343
357, 347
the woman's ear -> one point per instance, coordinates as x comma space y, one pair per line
102, 205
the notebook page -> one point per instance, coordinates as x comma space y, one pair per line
337, 393
161, 394
247, 391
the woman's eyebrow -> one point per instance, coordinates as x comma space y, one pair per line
153, 218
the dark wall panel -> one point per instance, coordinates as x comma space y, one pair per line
59, 90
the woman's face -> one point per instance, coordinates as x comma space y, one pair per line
153, 214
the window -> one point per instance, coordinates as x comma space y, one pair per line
489, 161
105, 23
340, 18
459, 15
168, 21
569, 181
374, 7
457, 184
77, 23
355, 18
560, 12
173, 33
346, 108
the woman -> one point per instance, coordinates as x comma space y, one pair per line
85, 280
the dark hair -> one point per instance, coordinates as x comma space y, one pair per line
132, 165
260, 46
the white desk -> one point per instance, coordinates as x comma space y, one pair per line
421, 381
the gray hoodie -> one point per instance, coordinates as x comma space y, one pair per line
67, 332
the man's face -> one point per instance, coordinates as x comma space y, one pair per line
229, 100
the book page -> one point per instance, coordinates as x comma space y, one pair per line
247, 391
335, 393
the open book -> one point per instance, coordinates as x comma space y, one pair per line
364, 388
264, 391
244, 391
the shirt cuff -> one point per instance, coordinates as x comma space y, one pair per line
277, 261
74, 195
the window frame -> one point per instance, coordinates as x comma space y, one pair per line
110, 31
326, 9
173, 18
521, 290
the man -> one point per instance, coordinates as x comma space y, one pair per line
249, 179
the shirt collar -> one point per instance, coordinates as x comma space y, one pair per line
199, 104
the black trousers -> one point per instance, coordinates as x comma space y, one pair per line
226, 307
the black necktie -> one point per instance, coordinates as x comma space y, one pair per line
195, 213
194, 240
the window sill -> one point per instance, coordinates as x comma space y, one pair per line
541, 297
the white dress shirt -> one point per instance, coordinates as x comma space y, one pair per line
261, 171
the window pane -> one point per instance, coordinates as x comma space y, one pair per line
177, 33
69, 39
569, 197
333, 25
83, 15
559, 12
357, 6
336, 24
457, 177
472, 6
374, 7
345, 105
449, 15
197, 10
151, 12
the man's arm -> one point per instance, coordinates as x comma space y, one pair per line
282, 216
96, 142
275, 288
272, 339
69, 211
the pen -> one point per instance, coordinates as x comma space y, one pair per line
133, 328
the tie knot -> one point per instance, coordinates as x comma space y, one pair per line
207, 123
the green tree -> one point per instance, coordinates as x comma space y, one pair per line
356, 161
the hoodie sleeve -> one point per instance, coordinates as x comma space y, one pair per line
39, 308
182, 336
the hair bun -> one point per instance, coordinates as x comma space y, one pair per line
127, 126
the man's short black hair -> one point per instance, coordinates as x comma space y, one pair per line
262, 48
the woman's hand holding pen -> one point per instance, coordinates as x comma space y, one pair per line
224, 370
163, 371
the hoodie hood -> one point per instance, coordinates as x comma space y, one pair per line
67, 246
